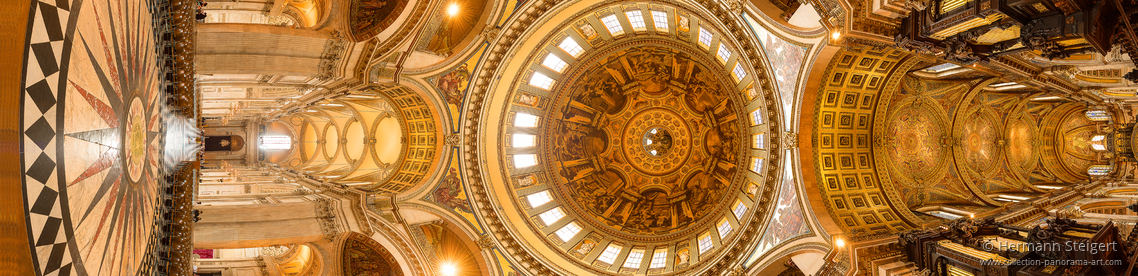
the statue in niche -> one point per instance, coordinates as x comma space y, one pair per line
587, 31
526, 181
585, 247
682, 256
682, 23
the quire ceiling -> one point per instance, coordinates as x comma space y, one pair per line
896, 139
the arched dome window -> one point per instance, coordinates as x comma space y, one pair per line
276, 142
1097, 142
1097, 115
1099, 170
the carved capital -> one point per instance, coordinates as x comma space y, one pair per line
791, 139
485, 242
491, 33
736, 6
452, 140
917, 5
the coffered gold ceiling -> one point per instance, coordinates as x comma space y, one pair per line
377, 139
892, 140
843, 118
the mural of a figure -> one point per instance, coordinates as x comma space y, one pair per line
448, 191
454, 83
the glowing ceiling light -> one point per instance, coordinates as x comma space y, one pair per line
836, 35
452, 10
276, 142
840, 243
448, 269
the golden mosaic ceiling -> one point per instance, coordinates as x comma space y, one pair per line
648, 139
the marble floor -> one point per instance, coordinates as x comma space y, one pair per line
92, 137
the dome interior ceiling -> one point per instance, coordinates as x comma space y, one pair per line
621, 173
636, 141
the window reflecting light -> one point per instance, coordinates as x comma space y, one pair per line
659, 258
739, 209
554, 63
567, 232
660, 19
704, 37
634, 258
757, 165
525, 120
551, 216
739, 72
757, 117
541, 80
523, 140
723, 54
276, 142
636, 19
724, 227
613, 25
609, 254
570, 46
524, 160
705, 243
538, 199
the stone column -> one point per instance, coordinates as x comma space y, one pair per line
261, 225
259, 50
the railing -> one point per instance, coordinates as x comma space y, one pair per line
170, 245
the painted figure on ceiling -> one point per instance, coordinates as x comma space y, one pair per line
448, 191
454, 83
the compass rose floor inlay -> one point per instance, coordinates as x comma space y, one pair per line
92, 137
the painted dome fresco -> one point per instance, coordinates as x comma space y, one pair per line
632, 132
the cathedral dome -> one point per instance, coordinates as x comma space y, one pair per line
644, 139
627, 138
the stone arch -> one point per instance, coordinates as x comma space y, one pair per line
359, 254
444, 241
301, 259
